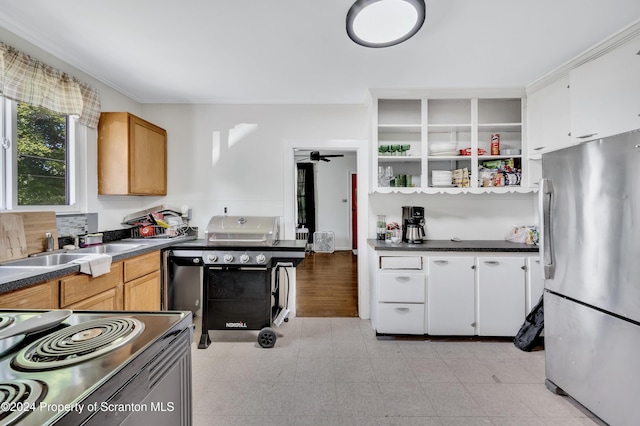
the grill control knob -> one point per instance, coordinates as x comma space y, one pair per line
260, 259
212, 258
228, 258
244, 258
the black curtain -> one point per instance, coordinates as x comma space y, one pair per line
306, 198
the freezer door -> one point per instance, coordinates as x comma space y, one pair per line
593, 357
591, 223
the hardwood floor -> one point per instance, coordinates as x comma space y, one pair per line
327, 285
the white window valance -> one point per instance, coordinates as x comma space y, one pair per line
26, 79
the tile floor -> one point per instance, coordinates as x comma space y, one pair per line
333, 371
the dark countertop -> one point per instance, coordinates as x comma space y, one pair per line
34, 275
461, 246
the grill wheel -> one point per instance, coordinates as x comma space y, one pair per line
267, 337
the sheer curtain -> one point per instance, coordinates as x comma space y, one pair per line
26, 79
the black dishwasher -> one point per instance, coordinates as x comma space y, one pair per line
183, 278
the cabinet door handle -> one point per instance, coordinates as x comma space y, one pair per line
491, 262
587, 136
441, 262
403, 279
524, 268
402, 309
539, 148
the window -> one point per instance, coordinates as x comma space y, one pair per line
36, 157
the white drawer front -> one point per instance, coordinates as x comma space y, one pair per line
401, 318
400, 262
401, 287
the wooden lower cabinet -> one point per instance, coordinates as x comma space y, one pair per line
110, 300
39, 296
142, 282
81, 287
143, 294
132, 284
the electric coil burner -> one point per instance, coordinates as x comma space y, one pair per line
98, 368
16, 393
6, 321
78, 343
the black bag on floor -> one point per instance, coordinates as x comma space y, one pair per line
528, 336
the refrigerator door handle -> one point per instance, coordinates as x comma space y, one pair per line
546, 247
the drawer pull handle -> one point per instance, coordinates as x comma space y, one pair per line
403, 279
587, 136
491, 262
441, 262
539, 148
402, 309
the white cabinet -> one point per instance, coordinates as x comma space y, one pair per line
549, 118
451, 295
605, 94
454, 294
535, 282
501, 295
400, 295
409, 136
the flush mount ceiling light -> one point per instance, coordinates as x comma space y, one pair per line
383, 23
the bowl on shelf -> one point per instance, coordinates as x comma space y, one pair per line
440, 147
510, 151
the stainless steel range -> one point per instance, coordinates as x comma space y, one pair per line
234, 272
106, 368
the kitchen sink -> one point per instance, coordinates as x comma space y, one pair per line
109, 248
48, 260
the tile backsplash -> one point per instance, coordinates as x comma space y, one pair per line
76, 224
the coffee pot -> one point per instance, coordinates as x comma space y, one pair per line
413, 225
414, 233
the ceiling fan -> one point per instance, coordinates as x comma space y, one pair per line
316, 156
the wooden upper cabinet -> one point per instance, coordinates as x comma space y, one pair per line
132, 156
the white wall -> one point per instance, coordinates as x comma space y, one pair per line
333, 197
247, 177
468, 217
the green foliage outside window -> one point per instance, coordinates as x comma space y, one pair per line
42, 156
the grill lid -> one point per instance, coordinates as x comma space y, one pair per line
249, 230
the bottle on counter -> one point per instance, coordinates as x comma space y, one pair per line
381, 227
49, 238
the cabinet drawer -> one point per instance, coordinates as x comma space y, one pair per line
401, 318
110, 300
400, 262
79, 287
141, 265
39, 296
401, 287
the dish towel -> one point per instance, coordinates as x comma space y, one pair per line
94, 265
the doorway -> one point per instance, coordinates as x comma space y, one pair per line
327, 282
358, 264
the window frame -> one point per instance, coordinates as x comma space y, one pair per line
9, 163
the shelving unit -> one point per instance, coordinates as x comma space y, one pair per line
466, 122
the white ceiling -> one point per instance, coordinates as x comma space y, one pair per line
297, 51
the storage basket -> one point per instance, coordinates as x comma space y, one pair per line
323, 242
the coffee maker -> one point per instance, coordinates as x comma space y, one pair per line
413, 225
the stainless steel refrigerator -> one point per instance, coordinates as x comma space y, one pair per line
590, 250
